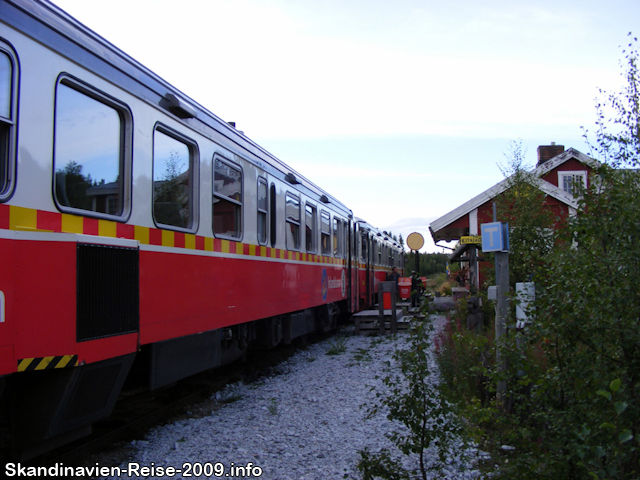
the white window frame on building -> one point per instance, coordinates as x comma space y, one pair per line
573, 175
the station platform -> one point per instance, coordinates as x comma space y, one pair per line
367, 322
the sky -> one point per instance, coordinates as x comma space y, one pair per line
401, 109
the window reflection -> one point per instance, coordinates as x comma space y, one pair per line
292, 211
227, 200
6, 125
6, 77
172, 192
88, 153
262, 211
325, 236
337, 230
310, 227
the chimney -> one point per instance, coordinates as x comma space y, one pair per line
547, 152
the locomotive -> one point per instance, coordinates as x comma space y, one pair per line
141, 233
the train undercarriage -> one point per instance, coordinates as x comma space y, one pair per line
43, 410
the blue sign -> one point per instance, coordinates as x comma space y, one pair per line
495, 237
505, 236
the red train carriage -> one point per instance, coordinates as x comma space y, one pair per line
377, 254
139, 232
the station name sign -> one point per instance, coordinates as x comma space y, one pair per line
471, 240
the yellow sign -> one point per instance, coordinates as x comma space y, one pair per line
471, 240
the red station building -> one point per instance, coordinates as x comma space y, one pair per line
559, 170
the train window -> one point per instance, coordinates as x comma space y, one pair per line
292, 210
262, 211
337, 231
273, 223
363, 250
325, 232
354, 242
345, 238
92, 146
7, 120
6, 86
311, 218
173, 192
227, 199
374, 251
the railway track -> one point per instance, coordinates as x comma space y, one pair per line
137, 412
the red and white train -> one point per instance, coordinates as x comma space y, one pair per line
142, 235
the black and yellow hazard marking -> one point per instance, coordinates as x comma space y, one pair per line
47, 363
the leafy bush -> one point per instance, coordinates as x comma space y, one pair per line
445, 288
412, 399
572, 405
462, 357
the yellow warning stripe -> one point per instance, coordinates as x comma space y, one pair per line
13, 217
27, 219
47, 363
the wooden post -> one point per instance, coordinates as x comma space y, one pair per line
502, 280
502, 313
473, 269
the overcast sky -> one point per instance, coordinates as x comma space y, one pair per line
402, 109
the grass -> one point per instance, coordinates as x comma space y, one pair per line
337, 347
273, 407
362, 355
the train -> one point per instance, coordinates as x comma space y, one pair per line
141, 236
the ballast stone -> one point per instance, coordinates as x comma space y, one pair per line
305, 423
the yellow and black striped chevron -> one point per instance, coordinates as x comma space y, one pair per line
47, 363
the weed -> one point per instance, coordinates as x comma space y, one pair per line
362, 355
337, 347
273, 407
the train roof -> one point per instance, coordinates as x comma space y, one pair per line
383, 236
55, 28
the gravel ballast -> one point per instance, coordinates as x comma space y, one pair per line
306, 422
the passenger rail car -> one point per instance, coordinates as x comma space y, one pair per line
377, 253
142, 236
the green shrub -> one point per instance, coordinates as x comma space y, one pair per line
411, 398
445, 288
462, 358
572, 403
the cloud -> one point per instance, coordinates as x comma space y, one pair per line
296, 71
318, 170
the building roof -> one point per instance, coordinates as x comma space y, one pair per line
535, 175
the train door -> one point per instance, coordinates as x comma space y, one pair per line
363, 268
375, 276
347, 256
371, 269
354, 235
366, 253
